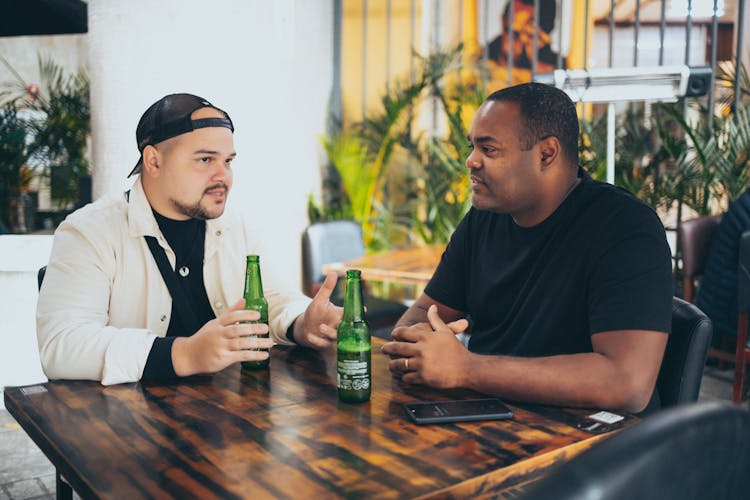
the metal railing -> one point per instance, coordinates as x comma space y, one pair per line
440, 31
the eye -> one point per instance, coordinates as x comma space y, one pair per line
487, 149
205, 159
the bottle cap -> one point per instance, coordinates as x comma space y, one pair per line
353, 273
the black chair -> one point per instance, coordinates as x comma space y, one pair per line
679, 379
688, 452
40, 276
742, 352
694, 237
337, 241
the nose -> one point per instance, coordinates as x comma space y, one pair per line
473, 161
222, 173
220, 169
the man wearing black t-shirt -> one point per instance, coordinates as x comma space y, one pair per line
566, 281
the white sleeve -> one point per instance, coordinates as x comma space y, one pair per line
73, 313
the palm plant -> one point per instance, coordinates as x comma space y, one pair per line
416, 201
728, 151
62, 125
14, 153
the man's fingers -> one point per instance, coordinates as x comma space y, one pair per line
246, 355
435, 321
326, 289
318, 342
410, 333
458, 326
328, 332
400, 349
244, 330
252, 343
237, 306
403, 364
412, 378
232, 316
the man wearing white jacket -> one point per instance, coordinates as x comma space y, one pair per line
105, 312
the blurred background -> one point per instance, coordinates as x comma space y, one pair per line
353, 109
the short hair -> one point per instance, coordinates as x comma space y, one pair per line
546, 111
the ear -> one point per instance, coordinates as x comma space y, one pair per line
549, 149
151, 161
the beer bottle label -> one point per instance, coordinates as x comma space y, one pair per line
353, 375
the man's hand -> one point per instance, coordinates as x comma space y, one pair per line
430, 354
317, 326
221, 342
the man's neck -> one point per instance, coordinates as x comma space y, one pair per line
548, 204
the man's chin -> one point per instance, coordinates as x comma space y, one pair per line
480, 203
215, 212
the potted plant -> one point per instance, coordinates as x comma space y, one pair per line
59, 124
14, 172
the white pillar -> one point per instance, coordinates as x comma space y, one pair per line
268, 64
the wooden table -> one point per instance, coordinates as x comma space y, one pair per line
283, 433
411, 266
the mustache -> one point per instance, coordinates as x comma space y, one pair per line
219, 185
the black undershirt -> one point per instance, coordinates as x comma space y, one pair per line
187, 240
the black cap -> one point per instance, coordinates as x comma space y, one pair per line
169, 117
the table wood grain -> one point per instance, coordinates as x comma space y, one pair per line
410, 266
282, 433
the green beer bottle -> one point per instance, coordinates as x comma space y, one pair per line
255, 301
354, 377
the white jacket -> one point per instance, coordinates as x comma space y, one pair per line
103, 300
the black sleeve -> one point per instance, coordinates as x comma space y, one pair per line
290, 332
448, 283
631, 274
159, 366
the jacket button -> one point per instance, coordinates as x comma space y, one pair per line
163, 318
219, 305
218, 233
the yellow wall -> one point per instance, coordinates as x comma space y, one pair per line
401, 49
352, 51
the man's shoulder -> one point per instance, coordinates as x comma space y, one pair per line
738, 214
106, 212
614, 203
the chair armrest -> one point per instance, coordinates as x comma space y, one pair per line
743, 274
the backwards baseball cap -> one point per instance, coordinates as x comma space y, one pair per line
169, 117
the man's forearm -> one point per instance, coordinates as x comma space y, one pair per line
415, 314
584, 380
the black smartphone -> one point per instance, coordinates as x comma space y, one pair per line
467, 410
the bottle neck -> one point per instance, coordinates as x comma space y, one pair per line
353, 303
253, 283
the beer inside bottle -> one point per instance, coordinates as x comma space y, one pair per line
354, 377
254, 300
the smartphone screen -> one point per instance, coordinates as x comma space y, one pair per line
434, 412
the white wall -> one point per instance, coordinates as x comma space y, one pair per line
20, 258
268, 64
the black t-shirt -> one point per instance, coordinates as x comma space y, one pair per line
600, 262
187, 240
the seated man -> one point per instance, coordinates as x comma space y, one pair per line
105, 312
717, 295
567, 281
